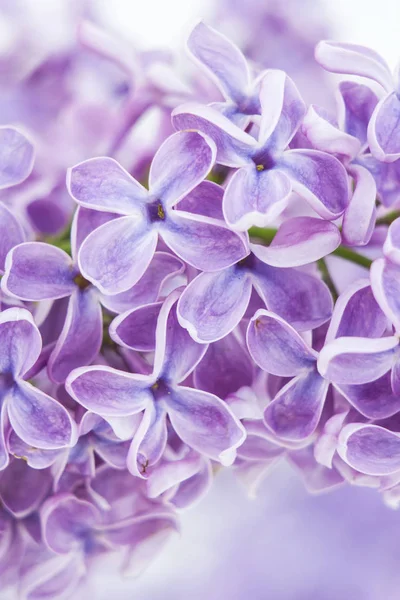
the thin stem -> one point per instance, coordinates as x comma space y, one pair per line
326, 276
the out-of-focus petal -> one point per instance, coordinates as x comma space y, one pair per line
23, 489
384, 129
11, 234
16, 157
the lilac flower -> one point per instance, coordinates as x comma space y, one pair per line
200, 419
116, 255
267, 170
352, 59
36, 418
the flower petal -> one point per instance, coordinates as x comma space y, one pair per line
357, 105
214, 303
81, 337
319, 178
328, 138
16, 157
109, 392
356, 360
206, 244
116, 255
375, 399
385, 283
205, 199
136, 328
205, 423
38, 419
102, 184
84, 222
180, 164
360, 215
299, 241
20, 341
23, 489
352, 59
149, 441
38, 271
255, 197
384, 129
391, 247
11, 234
276, 347
370, 449
296, 410
221, 59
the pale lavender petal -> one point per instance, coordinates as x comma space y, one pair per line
11, 234
357, 105
35, 457
324, 136
20, 341
221, 59
234, 146
113, 453
205, 199
375, 400
38, 271
352, 59
194, 488
107, 46
360, 215
163, 268
23, 489
170, 473
282, 110
357, 313
301, 299
225, 368
317, 478
116, 255
109, 392
370, 449
205, 423
180, 164
177, 354
395, 378
356, 360
214, 303
102, 184
206, 244
391, 247
319, 178
16, 157
384, 129
385, 283
4, 457
276, 347
136, 328
299, 241
84, 222
149, 441
38, 419
254, 197
295, 412
81, 337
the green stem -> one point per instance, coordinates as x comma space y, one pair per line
263, 233
389, 218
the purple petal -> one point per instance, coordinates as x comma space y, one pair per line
276, 347
4, 457
23, 489
136, 328
180, 164
11, 234
352, 59
356, 360
319, 178
370, 449
282, 109
221, 59
16, 157
194, 488
205, 199
163, 268
149, 441
84, 222
108, 392
177, 354
170, 473
214, 303
102, 184
299, 241
255, 197
20, 341
301, 299
225, 368
360, 215
385, 283
395, 378
38, 271
357, 314
384, 129
116, 255
317, 478
391, 247
375, 400
296, 410
206, 244
357, 105
324, 136
38, 419
35, 457
234, 146
81, 336
205, 423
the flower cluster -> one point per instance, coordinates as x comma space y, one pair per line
220, 288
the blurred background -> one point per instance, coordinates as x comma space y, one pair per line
284, 544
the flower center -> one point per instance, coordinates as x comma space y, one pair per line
156, 212
81, 282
